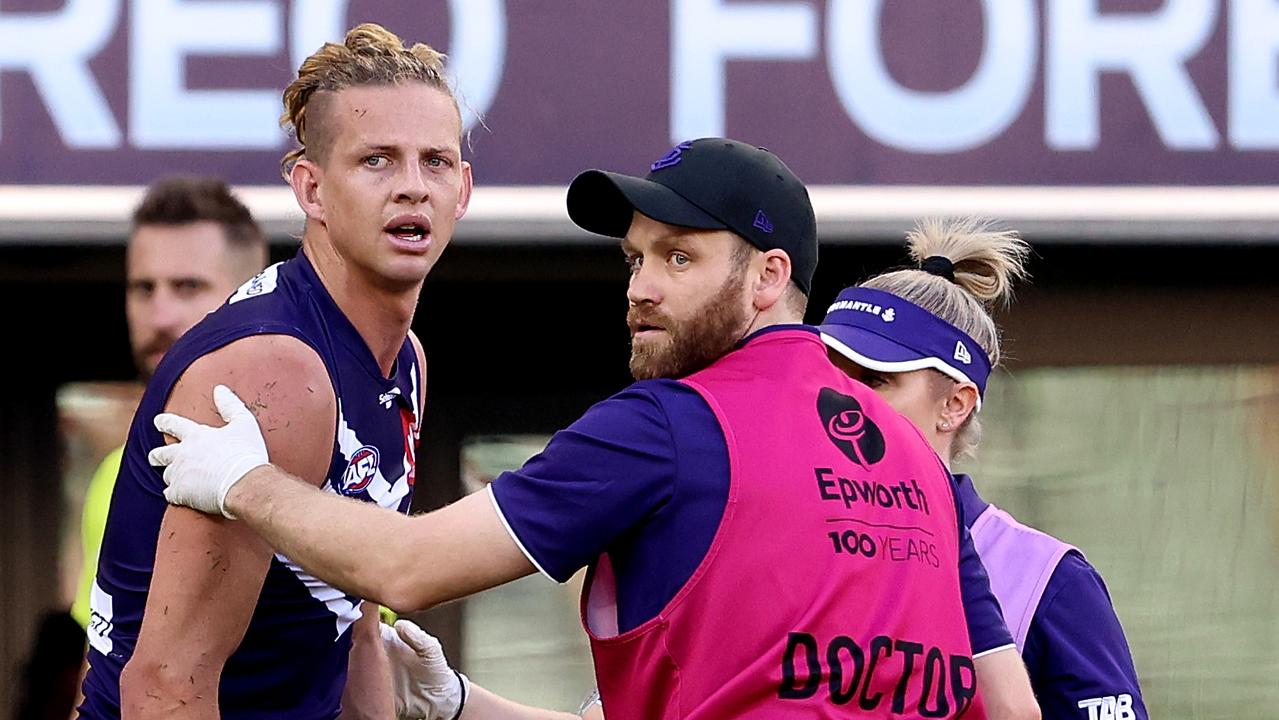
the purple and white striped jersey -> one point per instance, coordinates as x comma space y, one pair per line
292, 661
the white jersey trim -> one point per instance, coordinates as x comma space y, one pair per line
510, 531
1001, 648
345, 612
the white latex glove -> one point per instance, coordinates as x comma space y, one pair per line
206, 461
425, 687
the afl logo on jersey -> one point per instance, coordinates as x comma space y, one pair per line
849, 429
360, 470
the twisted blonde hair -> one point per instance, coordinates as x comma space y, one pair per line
987, 263
368, 55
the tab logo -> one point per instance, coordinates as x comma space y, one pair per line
962, 354
1109, 707
849, 429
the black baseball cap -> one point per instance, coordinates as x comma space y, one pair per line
711, 184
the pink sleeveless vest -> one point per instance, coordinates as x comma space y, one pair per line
831, 587
1019, 560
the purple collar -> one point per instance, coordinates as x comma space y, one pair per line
970, 502
774, 328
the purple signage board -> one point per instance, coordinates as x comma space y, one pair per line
849, 92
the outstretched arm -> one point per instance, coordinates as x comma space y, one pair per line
404, 563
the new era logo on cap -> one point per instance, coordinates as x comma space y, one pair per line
762, 222
962, 354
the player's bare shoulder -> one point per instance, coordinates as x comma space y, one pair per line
284, 382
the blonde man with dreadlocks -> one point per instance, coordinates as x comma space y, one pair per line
194, 616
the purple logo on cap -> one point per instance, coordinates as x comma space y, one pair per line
671, 158
762, 222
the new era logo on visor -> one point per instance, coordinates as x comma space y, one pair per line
849, 428
962, 354
671, 158
762, 222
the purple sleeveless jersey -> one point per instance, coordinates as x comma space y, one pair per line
292, 662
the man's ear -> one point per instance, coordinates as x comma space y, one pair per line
305, 180
464, 196
772, 272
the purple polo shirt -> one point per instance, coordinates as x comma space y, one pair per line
1075, 650
645, 475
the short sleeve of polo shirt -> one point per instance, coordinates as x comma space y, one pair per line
1076, 652
596, 480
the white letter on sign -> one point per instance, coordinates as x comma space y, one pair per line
932, 122
1152, 48
55, 48
1254, 74
705, 34
163, 113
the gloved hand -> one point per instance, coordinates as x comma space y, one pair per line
206, 461
425, 687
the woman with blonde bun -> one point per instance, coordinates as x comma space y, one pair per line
924, 339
